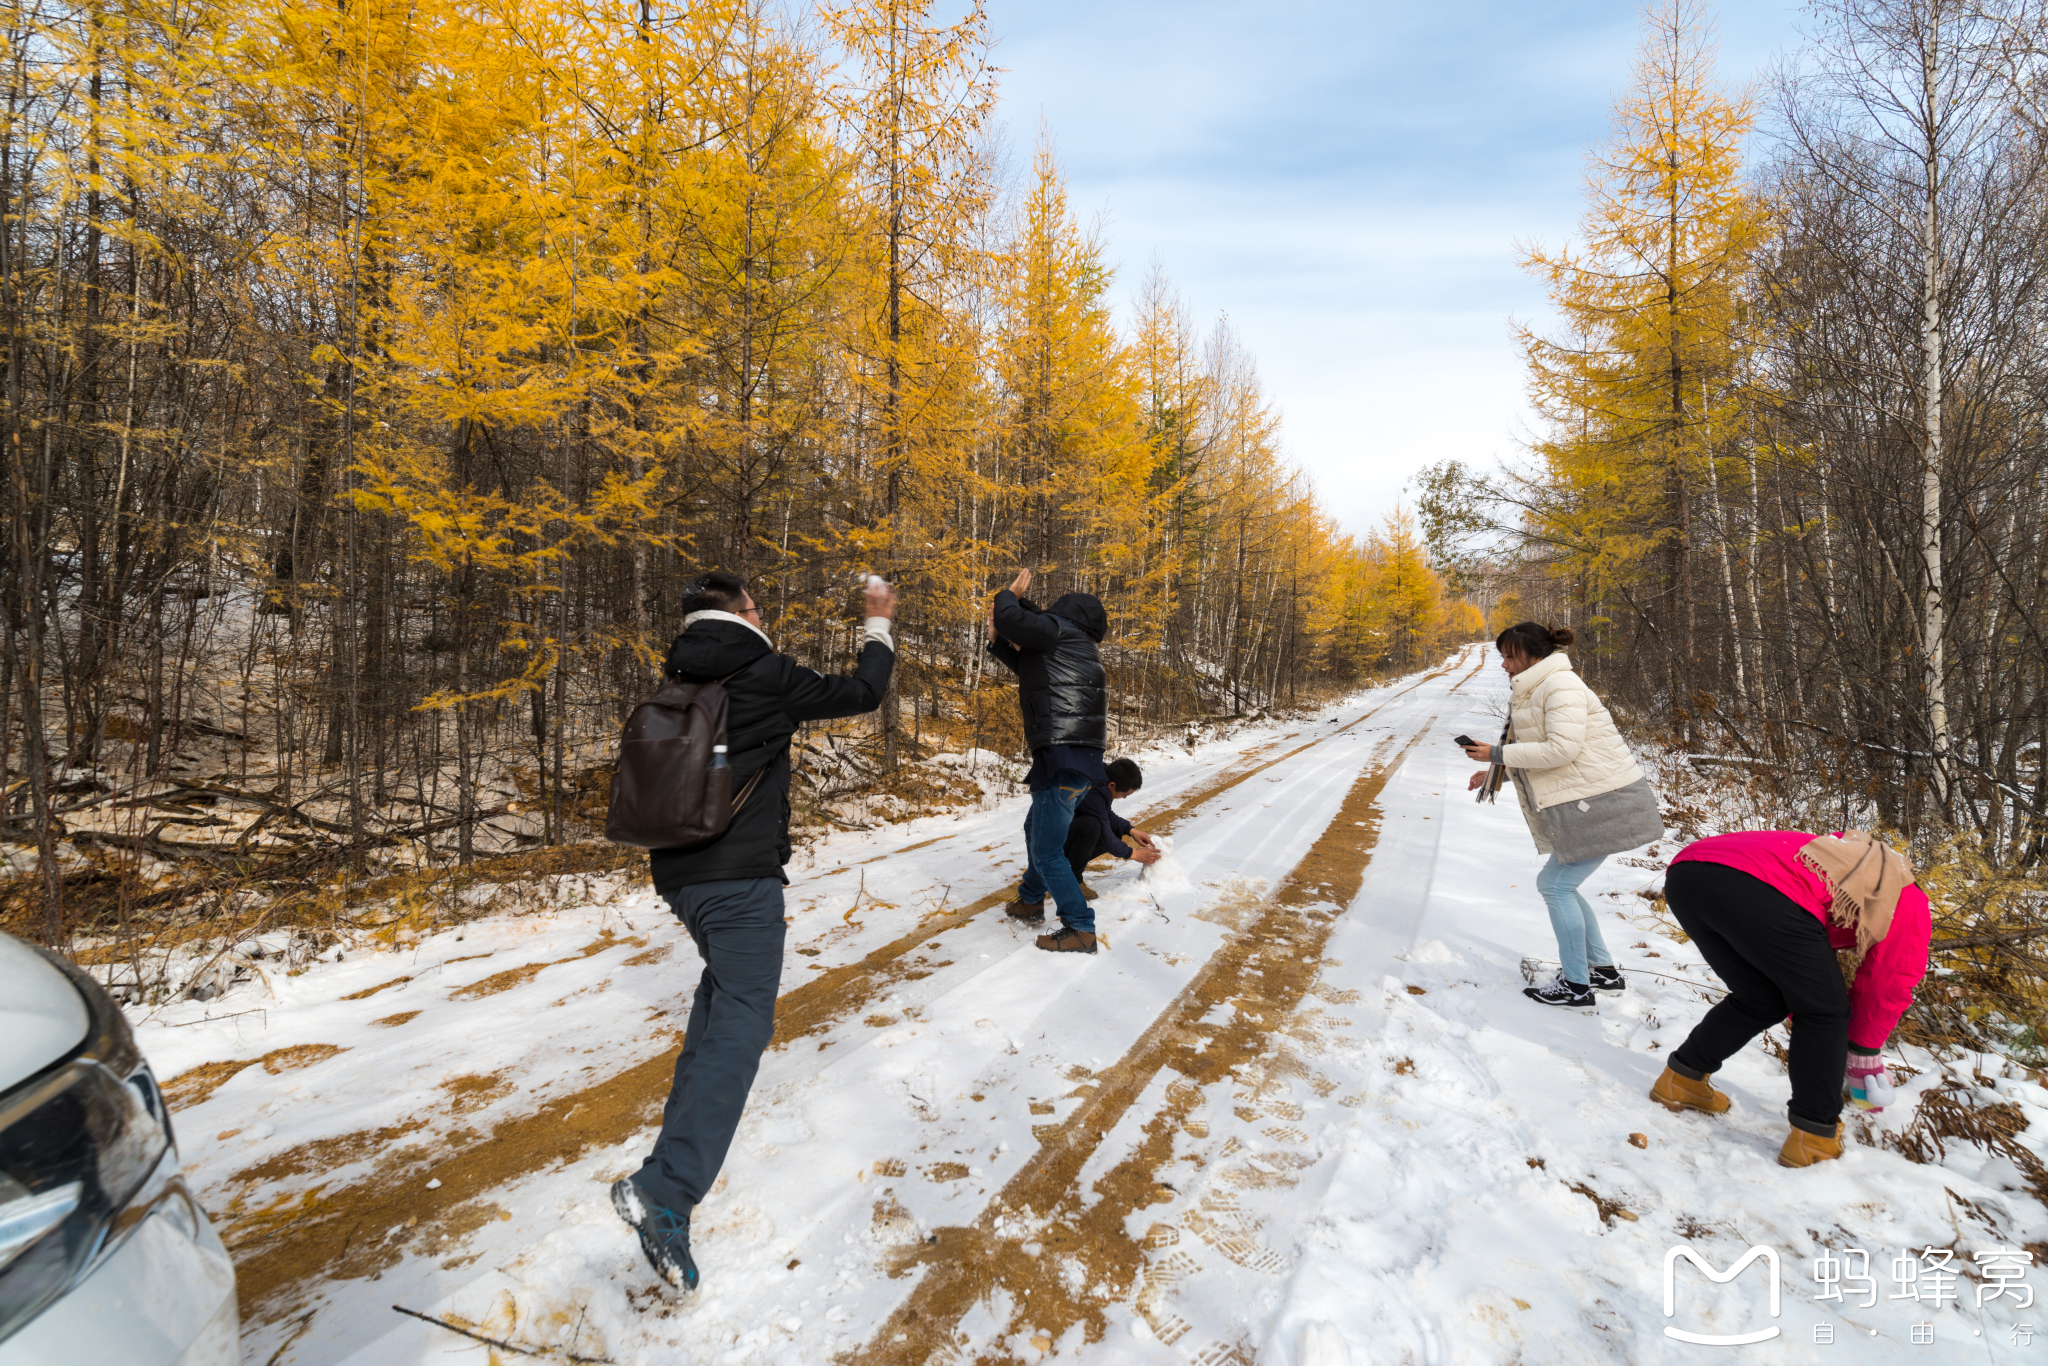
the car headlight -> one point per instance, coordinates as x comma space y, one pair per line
83, 1150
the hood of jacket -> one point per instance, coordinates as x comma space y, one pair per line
1085, 611
710, 649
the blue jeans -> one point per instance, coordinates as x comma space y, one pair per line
1578, 932
737, 927
1045, 849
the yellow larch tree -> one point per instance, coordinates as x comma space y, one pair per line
915, 105
1643, 392
1077, 465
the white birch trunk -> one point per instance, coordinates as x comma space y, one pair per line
1721, 542
1930, 401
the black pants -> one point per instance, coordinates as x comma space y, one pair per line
737, 927
1775, 958
1084, 842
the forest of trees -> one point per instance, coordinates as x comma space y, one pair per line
1789, 480
378, 375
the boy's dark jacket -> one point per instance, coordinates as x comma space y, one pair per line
766, 699
1094, 806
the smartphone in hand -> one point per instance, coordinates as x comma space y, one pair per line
1464, 741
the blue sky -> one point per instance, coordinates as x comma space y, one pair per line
1348, 182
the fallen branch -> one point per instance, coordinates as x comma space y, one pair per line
843, 825
220, 856
496, 1342
1978, 941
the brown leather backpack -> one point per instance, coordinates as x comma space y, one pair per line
666, 790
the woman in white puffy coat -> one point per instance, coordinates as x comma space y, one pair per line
1581, 793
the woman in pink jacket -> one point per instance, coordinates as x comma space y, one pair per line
1768, 909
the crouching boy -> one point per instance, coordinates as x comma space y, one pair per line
1097, 829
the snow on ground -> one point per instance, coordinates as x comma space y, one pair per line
1472, 1192
1275, 1119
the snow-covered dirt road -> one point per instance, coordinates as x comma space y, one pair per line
1296, 1111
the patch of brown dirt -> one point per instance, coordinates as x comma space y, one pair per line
526, 972
300, 1055
476, 1090
1610, 1210
1263, 974
368, 992
194, 1085
324, 1154
191, 1087
393, 1021
501, 981
659, 953
921, 844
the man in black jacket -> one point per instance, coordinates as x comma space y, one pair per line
728, 894
1064, 695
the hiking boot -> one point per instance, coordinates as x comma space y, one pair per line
1089, 893
1803, 1149
1025, 910
1677, 1092
1564, 995
1067, 939
1607, 980
664, 1234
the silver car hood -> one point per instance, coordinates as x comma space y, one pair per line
42, 1017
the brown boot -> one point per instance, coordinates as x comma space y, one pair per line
1089, 893
1803, 1149
1025, 910
1067, 939
1677, 1093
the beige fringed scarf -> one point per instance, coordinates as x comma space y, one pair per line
1864, 876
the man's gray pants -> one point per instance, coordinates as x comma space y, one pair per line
738, 930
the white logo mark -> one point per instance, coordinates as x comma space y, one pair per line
1770, 1259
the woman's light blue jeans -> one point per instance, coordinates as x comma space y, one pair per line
1578, 931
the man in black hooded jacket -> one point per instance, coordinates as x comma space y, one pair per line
728, 894
1064, 695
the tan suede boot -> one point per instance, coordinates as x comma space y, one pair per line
1067, 939
1803, 1149
1677, 1093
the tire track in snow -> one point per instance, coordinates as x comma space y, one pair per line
1031, 1240
836, 993
286, 1247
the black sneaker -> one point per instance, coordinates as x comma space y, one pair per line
1566, 995
1607, 980
664, 1234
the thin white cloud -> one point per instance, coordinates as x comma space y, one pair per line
1348, 181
